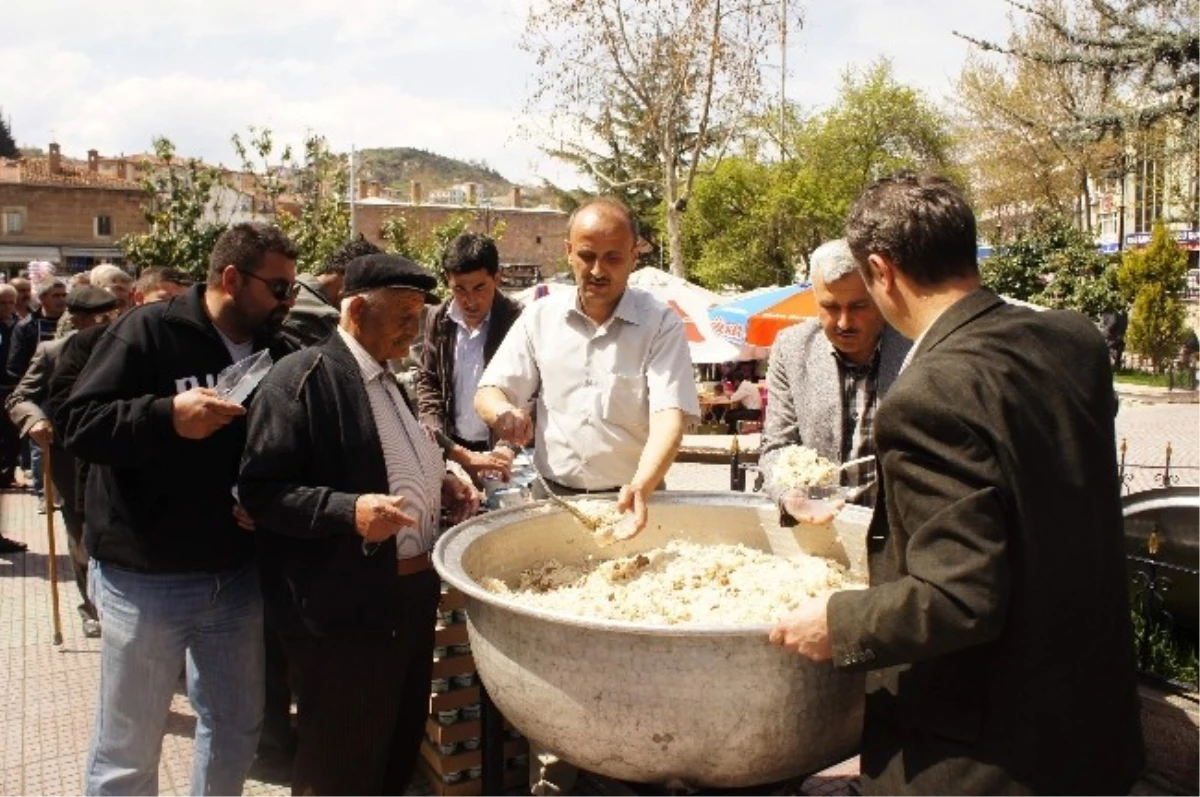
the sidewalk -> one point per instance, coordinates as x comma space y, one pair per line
48, 692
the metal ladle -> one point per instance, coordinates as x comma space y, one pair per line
589, 522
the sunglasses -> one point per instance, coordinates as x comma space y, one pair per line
280, 288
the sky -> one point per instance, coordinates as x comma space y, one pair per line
441, 75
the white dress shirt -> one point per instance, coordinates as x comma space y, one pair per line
414, 461
596, 384
468, 367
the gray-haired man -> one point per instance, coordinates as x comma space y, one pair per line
826, 378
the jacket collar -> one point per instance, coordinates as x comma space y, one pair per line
956, 316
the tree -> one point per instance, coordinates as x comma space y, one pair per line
1053, 263
758, 221
182, 214
681, 73
1012, 131
8, 146
1146, 54
427, 250
1152, 279
307, 197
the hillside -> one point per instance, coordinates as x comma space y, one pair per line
396, 167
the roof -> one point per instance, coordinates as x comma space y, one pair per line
73, 174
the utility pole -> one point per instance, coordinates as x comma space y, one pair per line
783, 12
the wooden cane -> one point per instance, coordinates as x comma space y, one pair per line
48, 492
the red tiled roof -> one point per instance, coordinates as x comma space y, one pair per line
36, 171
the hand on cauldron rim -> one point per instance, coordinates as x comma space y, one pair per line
806, 630
633, 498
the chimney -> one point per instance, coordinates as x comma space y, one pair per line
376, 186
515, 196
472, 193
364, 189
415, 192
93, 160
55, 158
121, 173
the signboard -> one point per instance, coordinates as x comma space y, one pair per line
1188, 239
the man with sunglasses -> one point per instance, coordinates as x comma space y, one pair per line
172, 573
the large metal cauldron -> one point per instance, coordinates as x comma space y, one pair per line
709, 706
1172, 516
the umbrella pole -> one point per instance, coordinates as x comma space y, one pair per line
48, 490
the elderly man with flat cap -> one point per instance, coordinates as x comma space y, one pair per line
347, 490
26, 406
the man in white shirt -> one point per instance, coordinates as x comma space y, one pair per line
608, 366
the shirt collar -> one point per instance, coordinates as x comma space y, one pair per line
626, 309
867, 367
455, 313
368, 365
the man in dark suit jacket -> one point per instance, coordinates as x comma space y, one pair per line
996, 630
461, 338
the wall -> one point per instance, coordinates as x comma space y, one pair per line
530, 236
65, 216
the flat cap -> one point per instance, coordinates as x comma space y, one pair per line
369, 272
89, 299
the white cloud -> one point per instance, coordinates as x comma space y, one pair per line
445, 76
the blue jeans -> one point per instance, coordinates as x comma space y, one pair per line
152, 623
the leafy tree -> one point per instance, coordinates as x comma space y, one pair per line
758, 221
8, 146
1145, 53
1153, 279
1054, 264
427, 250
1013, 118
683, 75
180, 211
306, 197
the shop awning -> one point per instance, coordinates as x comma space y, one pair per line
91, 251
27, 254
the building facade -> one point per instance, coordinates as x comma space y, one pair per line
64, 212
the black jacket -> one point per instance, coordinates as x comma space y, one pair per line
155, 501
27, 334
435, 379
312, 450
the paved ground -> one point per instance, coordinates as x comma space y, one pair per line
47, 693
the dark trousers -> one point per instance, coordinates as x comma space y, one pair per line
278, 738
62, 471
735, 414
363, 700
10, 445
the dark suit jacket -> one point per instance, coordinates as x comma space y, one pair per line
435, 379
997, 627
312, 448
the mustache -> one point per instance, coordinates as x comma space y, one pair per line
847, 332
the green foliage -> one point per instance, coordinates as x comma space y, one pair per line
179, 211
8, 146
1161, 652
1153, 279
1052, 263
399, 238
306, 197
755, 222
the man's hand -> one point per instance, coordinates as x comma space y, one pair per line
198, 412
476, 464
377, 517
634, 498
514, 426
42, 433
459, 499
806, 630
814, 513
243, 518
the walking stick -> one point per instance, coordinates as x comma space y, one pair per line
48, 491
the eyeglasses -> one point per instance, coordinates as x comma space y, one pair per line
280, 288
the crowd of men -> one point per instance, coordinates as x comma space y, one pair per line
277, 550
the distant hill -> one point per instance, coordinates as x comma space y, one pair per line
396, 167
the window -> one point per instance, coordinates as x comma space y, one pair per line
103, 226
14, 221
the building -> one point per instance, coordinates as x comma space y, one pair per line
532, 236
65, 212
